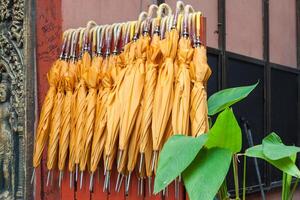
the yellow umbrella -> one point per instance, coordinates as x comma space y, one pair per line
142, 46
153, 59
181, 104
52, 154
42, 133
164, 94
73, 67
200, 73
81, 93
91, 79
133, 86
122, 169
133, 149
148, 167
68, 82
96, 142
80, 114
113, 115
116, 100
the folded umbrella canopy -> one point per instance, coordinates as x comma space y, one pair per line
200, 73
133, 149
64, 139
73, 67
114, 104
181, 104
80, 115
142, 46
91, 79
153, 60
43, 129
68, 82
164, 94
98, 139
45, 116
132, 93
56, 117
113, 116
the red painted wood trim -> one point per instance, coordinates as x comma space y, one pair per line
84, 192
49, 31
67, 193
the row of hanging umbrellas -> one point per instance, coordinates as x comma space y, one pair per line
118, 92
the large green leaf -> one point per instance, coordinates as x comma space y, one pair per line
274, 149
176, 155
204, 177
225, 98
284, 164
225, 133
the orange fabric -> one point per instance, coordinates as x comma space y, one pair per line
181, 105
42, 133
101, 114
91, 79
52, 154
72, 148
66, 126
131, 94
113, 106
154, 57
164, 94
200, 73
80, 113
141, 53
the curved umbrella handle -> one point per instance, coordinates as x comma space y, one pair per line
179, 9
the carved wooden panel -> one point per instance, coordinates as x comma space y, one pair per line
16, 98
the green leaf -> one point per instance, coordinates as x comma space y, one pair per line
274, 149
176, 155
284, 164
225, 133
204, 177
225, 98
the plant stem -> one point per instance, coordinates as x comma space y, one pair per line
244, 178
236, 176
294, 189
223, 193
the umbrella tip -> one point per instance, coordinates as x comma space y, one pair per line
91, 181
60, 178
106, 184
127, 184
120, 184
48, 178
76, 172
81, 178
71, 180
33, 176
141, 162
150, 185
117, 182
120, 154
141, 187
153, 160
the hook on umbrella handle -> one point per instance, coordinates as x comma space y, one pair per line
179, 9
186, 21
